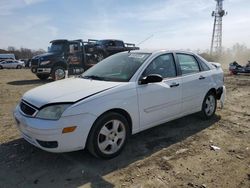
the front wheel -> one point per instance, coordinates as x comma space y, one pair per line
108, 135
58, 73
209, 105
1, 67
19, 67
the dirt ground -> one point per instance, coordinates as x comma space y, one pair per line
175, 154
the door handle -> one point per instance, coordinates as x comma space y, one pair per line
174, 84
202, 77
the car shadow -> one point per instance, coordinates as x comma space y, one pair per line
28, 165
29, 82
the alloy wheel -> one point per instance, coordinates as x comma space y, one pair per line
111, 137
210, 105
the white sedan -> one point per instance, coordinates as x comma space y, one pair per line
122, 95
11, 64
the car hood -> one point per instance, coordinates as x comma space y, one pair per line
67, 90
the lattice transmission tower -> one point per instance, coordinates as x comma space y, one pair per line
216, 43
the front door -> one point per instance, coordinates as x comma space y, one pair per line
159, 102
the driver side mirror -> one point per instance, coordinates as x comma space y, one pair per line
152, 78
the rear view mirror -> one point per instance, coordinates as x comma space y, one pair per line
152, 78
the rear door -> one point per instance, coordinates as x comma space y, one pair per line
14, 64
159, 102
195, 83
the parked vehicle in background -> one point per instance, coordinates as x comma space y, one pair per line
11, 64
236, 68
75, 56
123, 94
107, 47
7, 56
28, 63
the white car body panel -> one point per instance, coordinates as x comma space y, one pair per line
147, 105
194, 90
11, 64
158, 102
73, 89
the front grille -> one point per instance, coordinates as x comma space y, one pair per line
27, 109
34, 62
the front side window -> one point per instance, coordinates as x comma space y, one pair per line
188, 64
163, 65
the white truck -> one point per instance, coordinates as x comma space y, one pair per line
7, 56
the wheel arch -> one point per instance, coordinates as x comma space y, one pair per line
60, 64
125, 114
212, 90
116, 110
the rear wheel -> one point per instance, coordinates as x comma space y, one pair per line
1, 67
58, 73
42, 76
209, 105
19, 67
108, 136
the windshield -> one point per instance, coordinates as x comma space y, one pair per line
102, 42
56, 47
119, 67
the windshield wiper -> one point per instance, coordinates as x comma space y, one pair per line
94, 77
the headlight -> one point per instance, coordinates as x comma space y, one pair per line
52, 112
44, 62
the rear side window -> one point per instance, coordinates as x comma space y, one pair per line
188, 64
119, 43
204, 66
163, 65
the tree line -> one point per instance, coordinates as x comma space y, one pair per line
21, 53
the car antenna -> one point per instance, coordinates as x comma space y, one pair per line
150, 36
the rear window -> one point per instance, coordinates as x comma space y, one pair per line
119, 43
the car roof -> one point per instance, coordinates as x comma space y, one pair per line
59, 40
155, 52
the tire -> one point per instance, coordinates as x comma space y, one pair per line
58, 73
1, 67
108, 135
43, 76
209, 105
18, 66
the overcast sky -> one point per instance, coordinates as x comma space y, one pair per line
169, 24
